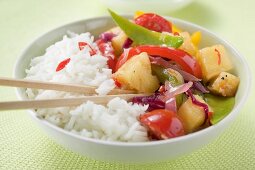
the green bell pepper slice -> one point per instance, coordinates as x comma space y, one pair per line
174, 78
166, 75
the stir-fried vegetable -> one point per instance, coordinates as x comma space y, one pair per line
213, 61
173, 95
136, 74
183, 80
166, 64
117, 37
193, 112
143, 36
187, 44
153, 101
225, 84
221, 106
187, 62
174, 77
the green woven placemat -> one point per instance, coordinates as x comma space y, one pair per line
24, 146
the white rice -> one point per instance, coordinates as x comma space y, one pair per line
116, 122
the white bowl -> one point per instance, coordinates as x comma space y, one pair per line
158, 6
133, 152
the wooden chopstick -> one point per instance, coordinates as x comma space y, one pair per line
66, 102
88, 90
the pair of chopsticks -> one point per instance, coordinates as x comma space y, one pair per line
59, 102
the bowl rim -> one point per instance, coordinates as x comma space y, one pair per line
202, 132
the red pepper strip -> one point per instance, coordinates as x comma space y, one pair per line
107, 50
186, 61
83, 44
219, 56
62, 64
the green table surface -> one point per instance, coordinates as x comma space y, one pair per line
24, 146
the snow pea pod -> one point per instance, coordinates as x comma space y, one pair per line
221, 106
143, 36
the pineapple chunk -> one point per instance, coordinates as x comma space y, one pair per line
119, 40
213, 61
225, 84
187, 45
192, 115
136, 74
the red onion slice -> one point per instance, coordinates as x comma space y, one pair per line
199, 86
170, 105
126, 53
160, 61
171, 92
169, 98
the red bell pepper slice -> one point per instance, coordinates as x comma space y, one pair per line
186, 61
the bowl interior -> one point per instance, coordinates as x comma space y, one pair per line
98, 25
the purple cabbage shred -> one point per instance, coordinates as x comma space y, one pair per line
153, 101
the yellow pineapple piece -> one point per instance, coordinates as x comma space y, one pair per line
187, 45
192, 115
136, 74
119, 40
213, 61
225, 84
